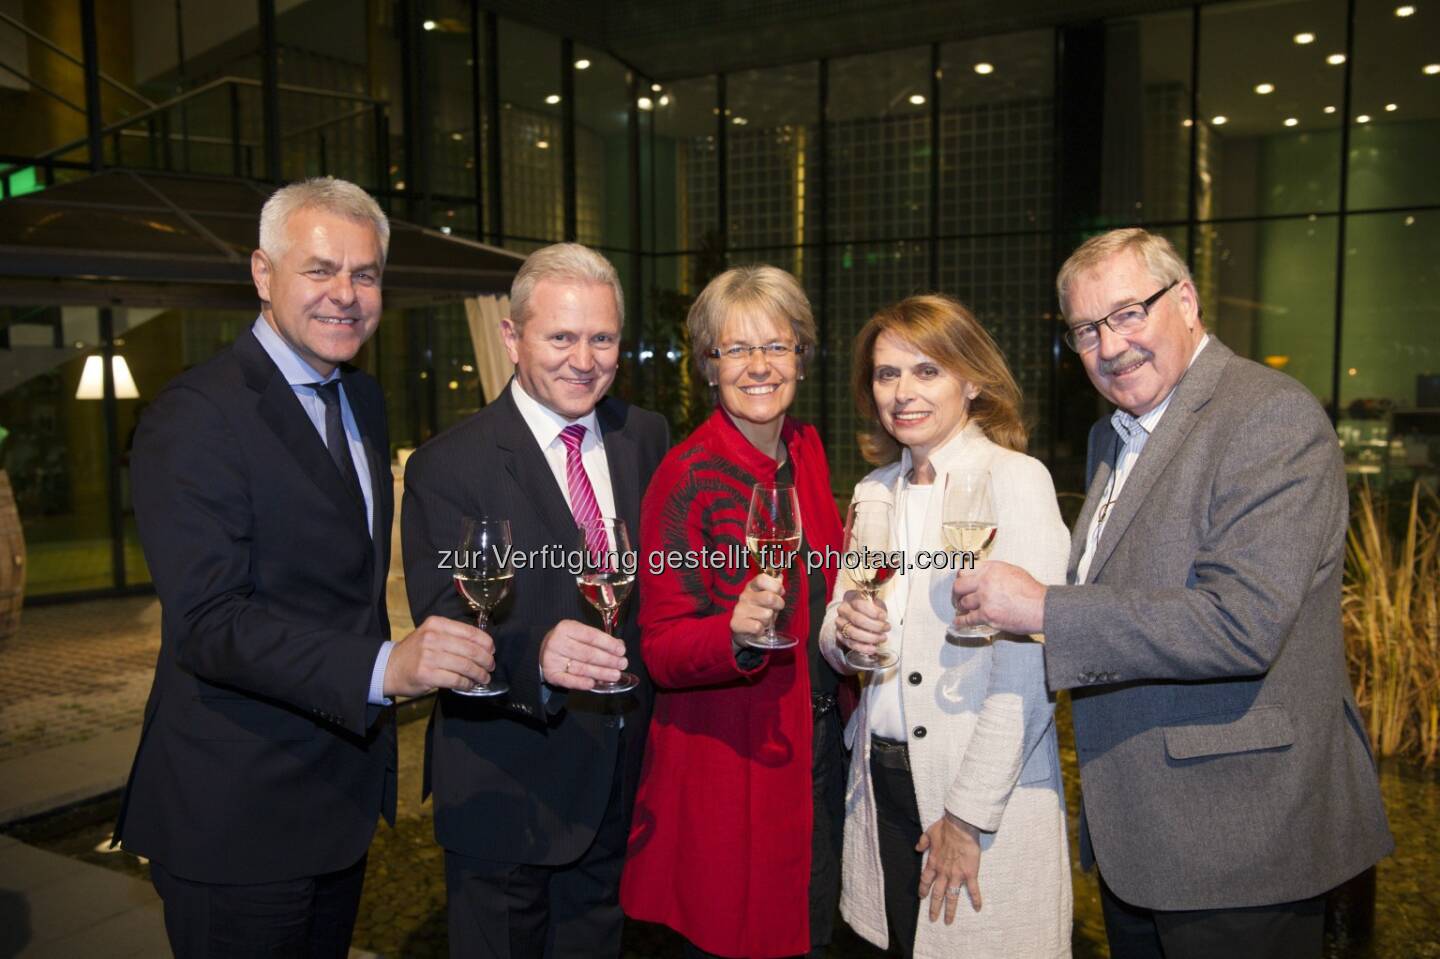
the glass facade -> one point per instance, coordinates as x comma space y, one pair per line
1286, 147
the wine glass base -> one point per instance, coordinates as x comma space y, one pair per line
971, 632
778, 641
491, 689
871, 663
624, 684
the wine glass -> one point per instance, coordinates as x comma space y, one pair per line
869, 539
970, 525
607, 574
484, 570
772, 534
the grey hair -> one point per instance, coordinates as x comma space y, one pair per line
562, 262
760, 287
340, 197
1159, 257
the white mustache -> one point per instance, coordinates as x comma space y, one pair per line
1129, 358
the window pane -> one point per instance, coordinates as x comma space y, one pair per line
770, 155
682, 207
879, 143
997, 133
1395, 149
1390, 355
602, 149
530, 131
454, 145
1268, 146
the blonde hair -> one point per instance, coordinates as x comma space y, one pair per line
326, 193
1159, 257
944, 330
757, 287
562, 262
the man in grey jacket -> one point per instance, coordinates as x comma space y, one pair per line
1227, 778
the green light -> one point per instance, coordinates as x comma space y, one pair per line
23, 181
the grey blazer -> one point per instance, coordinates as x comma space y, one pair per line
1223, 762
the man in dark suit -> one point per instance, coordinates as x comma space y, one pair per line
1226, 775
263, 498
533, 789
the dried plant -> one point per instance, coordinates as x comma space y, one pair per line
1391, 610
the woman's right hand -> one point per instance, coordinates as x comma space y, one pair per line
760, 603
861, 624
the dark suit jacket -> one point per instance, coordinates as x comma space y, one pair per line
1222, 760
515, 779
260, 758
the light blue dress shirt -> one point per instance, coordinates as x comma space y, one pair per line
299, 374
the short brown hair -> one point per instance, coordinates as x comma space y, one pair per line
758, 286
944, 330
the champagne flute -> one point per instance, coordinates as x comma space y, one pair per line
607, 574
869, 537
970, 525
772, 534
484, 570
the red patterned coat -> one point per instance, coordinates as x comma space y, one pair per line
720, 841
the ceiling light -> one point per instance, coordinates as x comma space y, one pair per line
542, 144
1404, 11
655, 88
1430, 69
739, 121
1329, 109
1335, 59
1264, 88
645, 103
1292, 122
1391, 107
1187, 122
665, 99
445, 230
92, 379
582, 64
917, 98
553, 99
1363, 118
457, 136
429, 24
984, 68
1219, 121
1304, 38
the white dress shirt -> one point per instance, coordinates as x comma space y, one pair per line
547, 425
1135, 432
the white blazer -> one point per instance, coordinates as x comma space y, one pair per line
988, 753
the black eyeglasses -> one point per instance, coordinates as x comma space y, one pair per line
1084, 337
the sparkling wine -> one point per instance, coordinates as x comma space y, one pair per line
969, 537
483, 590
772, 553
873, 574
605, 591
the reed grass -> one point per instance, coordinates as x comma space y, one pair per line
1391, 615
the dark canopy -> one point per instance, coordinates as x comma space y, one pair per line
164, 240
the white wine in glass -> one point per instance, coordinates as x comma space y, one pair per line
870, 536
772, 534
970, 526
607, 574
483, 575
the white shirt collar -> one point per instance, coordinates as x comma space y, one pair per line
292, 366
1126, 425
544, 422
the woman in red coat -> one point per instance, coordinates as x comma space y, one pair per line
739, 813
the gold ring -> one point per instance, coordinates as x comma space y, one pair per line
567, 664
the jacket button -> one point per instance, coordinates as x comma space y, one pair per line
914, 679
918, 732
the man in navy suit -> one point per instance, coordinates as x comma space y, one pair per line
263, 498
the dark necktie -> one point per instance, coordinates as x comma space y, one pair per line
335, 439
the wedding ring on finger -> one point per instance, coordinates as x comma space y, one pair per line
953, 892
843, 632
568, 661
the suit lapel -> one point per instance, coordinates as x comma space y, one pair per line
382, 490
1191, 394
527, 466
282, 412
623, 460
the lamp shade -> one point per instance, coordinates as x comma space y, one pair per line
92, 380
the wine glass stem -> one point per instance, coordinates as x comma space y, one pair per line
609, 616
482, 618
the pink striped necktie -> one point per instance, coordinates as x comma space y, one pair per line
582, 495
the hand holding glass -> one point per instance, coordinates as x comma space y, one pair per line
772, 534
869, 536
968, 515
607, 574
483, 577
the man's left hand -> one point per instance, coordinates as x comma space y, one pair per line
999, 595
953, 865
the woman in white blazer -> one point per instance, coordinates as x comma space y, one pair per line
955, 814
